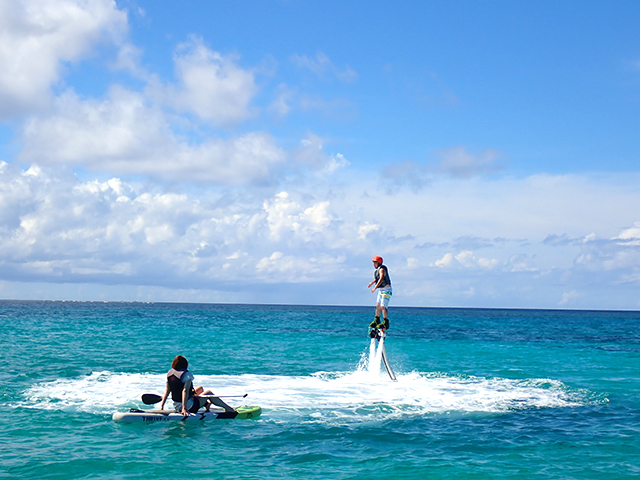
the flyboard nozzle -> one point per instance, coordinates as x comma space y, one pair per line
377, 333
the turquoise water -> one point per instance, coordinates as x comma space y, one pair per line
480, 393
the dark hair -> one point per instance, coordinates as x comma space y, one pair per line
179, 363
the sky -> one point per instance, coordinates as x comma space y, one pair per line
264, 152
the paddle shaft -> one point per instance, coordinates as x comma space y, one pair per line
151, 398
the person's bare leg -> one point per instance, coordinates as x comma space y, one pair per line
216, 401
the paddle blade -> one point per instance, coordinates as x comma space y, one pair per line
150, 398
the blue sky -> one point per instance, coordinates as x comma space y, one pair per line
256, 151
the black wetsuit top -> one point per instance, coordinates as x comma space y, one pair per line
176, 385
386, 281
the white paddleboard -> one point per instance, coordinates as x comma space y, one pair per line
150, 416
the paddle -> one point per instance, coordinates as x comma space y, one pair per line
151, 398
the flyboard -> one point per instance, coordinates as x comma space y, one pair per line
136, 415
379, 334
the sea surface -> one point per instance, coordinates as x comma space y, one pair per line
480, 394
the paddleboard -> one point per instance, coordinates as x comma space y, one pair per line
136, 415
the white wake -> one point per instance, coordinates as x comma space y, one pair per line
361, 394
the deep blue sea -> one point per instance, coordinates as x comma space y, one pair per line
480, 394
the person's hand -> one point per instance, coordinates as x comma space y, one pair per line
373, 290
185, 412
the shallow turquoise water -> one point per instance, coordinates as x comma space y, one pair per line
480, 393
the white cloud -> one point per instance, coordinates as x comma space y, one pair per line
63, 230
466, 259
445, 261
619, 254
37, 37
324, 68
311, 155
521, 263
119, 128
56, 228
367, 229
630, 236
413, 263
129, 59
283, 102
210, 85
568, 298
278, 267
287, 216
124, 135
59, 229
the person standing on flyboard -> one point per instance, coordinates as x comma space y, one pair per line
382, 283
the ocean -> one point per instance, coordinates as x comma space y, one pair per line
480, 394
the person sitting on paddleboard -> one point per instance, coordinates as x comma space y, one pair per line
186, 398
383, 285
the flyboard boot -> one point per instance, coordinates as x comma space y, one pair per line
373, 328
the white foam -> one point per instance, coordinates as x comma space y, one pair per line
358, 395
374, 360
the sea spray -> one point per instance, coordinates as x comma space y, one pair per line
374, 358
355, 396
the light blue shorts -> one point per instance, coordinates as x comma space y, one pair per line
384, 295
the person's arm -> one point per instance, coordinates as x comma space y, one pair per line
380, 278
372, 282
185, 390
164, 397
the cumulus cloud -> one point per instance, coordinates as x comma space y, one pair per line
57, 228
466, 259
620, 254
37, 38
311, 154
630, 236
285, 215
95, 132
324, 68
521, 263
210, 85
279, 267
129, 132
125, 135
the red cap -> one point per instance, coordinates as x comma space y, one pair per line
377, 259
